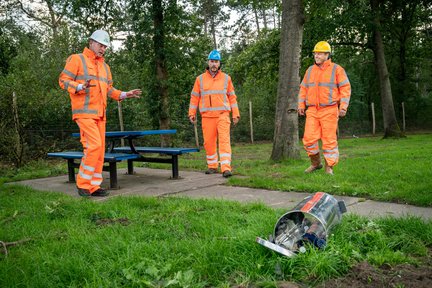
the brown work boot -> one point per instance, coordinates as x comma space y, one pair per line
328, 169
211, 171
315, 163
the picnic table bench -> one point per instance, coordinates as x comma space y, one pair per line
111, 158
129, 153
168, 151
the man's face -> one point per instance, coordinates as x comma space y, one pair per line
97, 48
321, 57
214, 65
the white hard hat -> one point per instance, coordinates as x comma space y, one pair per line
101, 36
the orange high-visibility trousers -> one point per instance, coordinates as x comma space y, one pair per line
92, 132
322, 124
217, 129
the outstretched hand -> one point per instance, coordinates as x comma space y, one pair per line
135, 93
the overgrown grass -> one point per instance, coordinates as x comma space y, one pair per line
175, 242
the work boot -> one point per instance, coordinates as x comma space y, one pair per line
328, 169
100, 193
315, 163
227, 174
211, 171
83, 192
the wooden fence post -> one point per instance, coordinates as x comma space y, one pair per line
373, 119
250, 122
120, 114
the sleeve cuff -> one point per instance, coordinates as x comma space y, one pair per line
123, 95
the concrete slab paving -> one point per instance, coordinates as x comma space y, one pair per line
157, 183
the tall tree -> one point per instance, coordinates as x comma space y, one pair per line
391, 126
286, 138
160, 66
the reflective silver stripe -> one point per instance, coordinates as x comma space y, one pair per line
313, 145
202, 90
110, 91
231, 93
213, 92
68, 73
327, 104
225, 155
225, 162
225, 92
314, 151
91, 77
87, 90
331, 150
192, 106
212, 161
307, 85
345, 100
107, 74
332, 85
333, 156
96, 182
86, 167
301, 101
193, 93
343, 83
234, 105
82, 111
66, 84
85, 176
97, 175
211, 156
221, 108
332, 81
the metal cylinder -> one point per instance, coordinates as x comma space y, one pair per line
308, 222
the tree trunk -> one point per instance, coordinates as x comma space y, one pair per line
391, 127
286, 138
161, 70
256, 17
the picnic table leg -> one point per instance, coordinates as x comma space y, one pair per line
71, 170
113, 175
130, 167
175, 171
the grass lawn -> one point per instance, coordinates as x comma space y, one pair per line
179, 242
175, 242
394, 170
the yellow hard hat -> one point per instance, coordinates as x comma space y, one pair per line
322, 46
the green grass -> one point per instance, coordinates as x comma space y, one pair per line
176, 242
394, 170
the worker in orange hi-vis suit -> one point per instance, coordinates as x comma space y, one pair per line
325, 91
88, 80
213, 93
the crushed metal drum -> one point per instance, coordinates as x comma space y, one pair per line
309, 222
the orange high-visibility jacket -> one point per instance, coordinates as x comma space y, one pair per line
213, 96
323, 86
91, 102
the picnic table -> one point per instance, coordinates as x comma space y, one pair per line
131, 153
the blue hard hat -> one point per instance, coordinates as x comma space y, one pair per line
214, 55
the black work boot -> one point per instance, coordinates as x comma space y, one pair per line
100, 193
227, 174
83, 192
211, 171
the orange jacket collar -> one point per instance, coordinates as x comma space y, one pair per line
325, 64
91, 55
